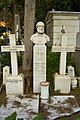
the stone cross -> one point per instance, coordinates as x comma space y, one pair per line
17, 26
64, 48
13, 49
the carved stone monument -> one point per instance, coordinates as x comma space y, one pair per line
63, 78
14, 82
62, 28
39, 56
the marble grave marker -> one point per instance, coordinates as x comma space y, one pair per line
15, 81
39, 56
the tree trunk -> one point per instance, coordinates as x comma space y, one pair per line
29, 19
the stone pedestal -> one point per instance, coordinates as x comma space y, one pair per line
62, 83
15, 84
44, 89
39, 66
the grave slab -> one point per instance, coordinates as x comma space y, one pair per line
71, 72
58, 106
61, 81
6, 73
15, 84
26, 106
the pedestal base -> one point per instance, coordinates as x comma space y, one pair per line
15, 84
62, 83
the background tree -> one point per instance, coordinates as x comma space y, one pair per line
10, 7
29, 19
30, 16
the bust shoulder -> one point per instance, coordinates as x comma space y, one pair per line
39, 38
33, 37
46, 37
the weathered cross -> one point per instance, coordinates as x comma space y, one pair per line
13, 48
64, 48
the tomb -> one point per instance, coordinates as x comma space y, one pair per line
62, 28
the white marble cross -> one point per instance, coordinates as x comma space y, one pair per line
64, 48
13, 48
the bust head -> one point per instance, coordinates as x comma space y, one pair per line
40, 27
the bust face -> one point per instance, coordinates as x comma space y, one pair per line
40, 27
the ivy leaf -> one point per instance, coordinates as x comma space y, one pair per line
12, 117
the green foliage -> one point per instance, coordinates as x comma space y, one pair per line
78, 118
52, 66
52, 61
38, 117
63, 5
20, 59
43, 6
77, 71
5, 59
20, 119
12, 117
70, 60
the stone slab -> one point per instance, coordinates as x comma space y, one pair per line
71, 72
62, 83
6, 73
58, 106
26, 106
15, 84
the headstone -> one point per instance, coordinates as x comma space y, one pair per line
13, 49
62, 28
6, 73
62, 83
14, 82
71, 72
63, 48
39, 56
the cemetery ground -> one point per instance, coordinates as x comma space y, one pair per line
28, 84
75, 92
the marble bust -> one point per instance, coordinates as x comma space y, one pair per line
40, 37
